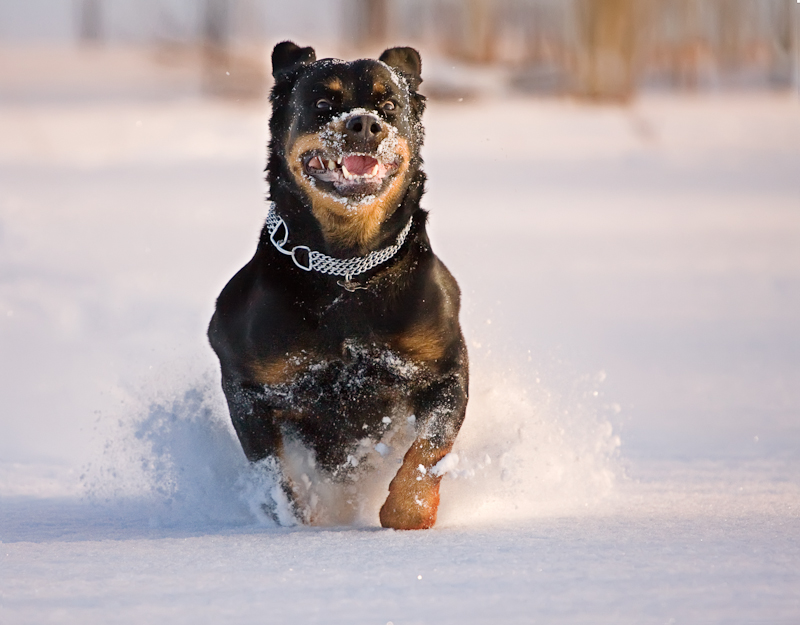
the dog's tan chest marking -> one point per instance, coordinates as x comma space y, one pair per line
273, 372
428, 340
422, 342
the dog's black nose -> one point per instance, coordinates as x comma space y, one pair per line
364, 126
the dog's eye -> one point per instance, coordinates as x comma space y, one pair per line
323, 104
388, 105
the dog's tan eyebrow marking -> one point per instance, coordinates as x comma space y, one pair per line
379, 88
334, 84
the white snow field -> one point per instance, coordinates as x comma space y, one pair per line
631, 281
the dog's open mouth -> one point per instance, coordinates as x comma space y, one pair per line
349, 174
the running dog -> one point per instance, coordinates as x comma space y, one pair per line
345, 323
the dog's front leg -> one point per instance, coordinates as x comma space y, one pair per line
253, 419
414, 492
259, 434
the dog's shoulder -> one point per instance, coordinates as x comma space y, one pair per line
254, 292
429, 331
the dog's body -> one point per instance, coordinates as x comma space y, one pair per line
327, 361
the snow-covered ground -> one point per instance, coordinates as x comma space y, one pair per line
631, 284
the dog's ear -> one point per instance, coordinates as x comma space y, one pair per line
288, 56
406, 61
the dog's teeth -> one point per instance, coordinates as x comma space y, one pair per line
346, 173
331, 164
374, 170
316, 163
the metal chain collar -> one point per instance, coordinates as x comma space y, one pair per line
317, 261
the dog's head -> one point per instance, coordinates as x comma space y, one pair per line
346, 136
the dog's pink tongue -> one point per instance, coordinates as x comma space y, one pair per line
359, 165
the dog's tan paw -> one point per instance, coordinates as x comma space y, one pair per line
411, 507
414, 492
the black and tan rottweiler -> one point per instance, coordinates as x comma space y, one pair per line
345, 322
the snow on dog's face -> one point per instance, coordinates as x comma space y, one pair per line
347, 134
356, 158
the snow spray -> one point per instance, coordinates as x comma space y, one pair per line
525, 450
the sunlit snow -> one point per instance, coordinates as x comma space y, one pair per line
630, 453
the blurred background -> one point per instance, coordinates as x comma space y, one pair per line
614, 183
595, 49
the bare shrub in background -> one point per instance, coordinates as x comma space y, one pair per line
365, 23
233, 64
607, 49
